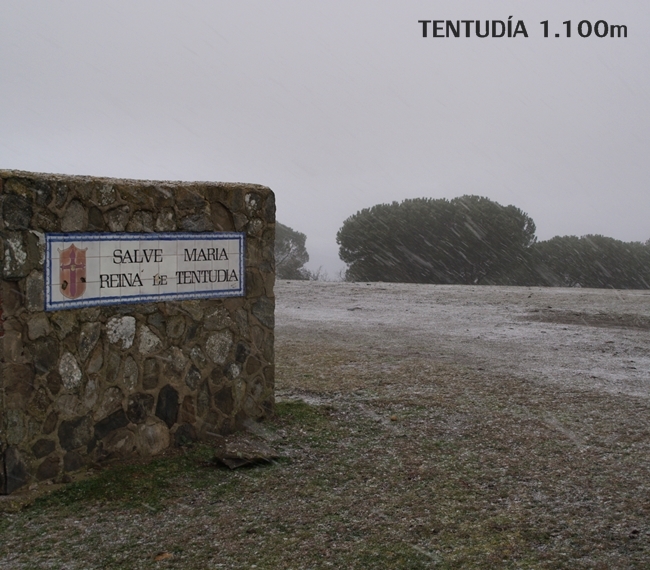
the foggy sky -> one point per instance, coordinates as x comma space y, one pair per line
339, 105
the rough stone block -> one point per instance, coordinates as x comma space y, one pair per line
15, 427
115, 421
166, 221
175, 326
16, 211
69, 406
106, 195
43, 447
224, 401
197, 223
141, 221
12, 346
150, 376
75, 218
39, 404
54, 382
193, 378
18, 383
188, 414
16, 263
45, 353
117, 219
185, 434
118, 443
110, 401
35, 291
218, 346
77, 433
152, 437
64, 322
130, 374
38, 326
49, 468
264, 310
72, 461
16, 473
50, 423
88, 339
167, 405
121, 330
12, 298
70, 372
96, 221
139, 408
83, 385
149, 342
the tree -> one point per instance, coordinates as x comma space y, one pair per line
290, 253
469, 240
592, 261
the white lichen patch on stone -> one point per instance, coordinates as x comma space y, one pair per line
253, 202
255, 227
15, 250
106, 195
70, 372
234, 371
121, 329
149, 342
218, 346
165, 222
198, 358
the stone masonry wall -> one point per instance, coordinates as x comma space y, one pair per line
80, 386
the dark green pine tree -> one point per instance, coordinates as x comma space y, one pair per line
466, 240
290, 253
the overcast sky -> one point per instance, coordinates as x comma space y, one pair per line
339, 105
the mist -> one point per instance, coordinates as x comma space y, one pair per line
339, 107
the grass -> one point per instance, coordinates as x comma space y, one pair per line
387, 463
133, 485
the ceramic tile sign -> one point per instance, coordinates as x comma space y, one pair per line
83, 270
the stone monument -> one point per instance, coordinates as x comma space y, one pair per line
134, 315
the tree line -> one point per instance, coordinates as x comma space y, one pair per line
467, 240
474, 240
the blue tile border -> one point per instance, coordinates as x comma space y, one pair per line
51, 305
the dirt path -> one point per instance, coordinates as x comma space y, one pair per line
584, 338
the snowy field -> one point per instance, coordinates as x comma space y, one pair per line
417, 426
593, 339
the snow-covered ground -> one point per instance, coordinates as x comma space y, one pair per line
594, 339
